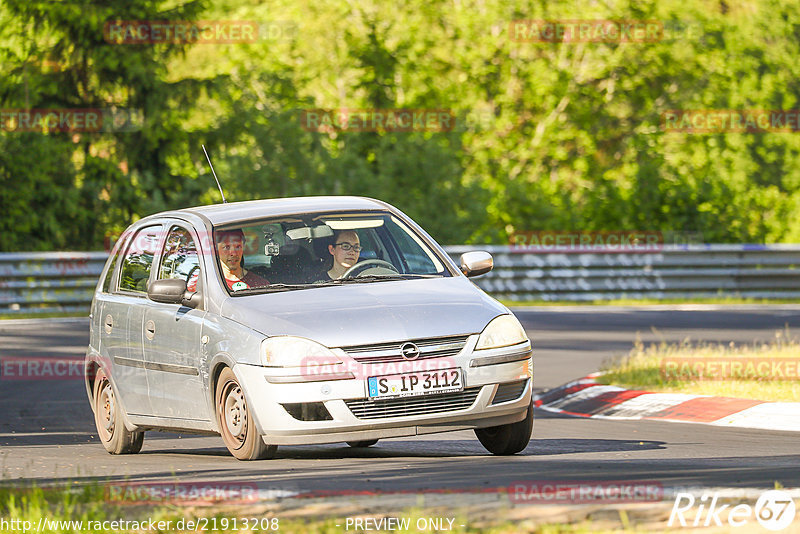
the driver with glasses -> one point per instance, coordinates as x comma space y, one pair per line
345, 251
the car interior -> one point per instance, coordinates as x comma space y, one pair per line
295, 250
295, 257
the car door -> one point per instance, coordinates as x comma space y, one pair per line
122, 321
172, 335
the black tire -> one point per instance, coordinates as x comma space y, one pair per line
108, 420
364, 443
238, 429
507, 439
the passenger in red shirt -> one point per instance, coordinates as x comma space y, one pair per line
230, 248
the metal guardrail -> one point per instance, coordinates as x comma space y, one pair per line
604, 273
50, 282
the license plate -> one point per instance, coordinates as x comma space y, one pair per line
419, 383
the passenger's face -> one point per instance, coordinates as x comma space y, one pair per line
345, 258
230, 250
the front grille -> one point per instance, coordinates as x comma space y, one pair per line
440, 347
407, 406
509, 391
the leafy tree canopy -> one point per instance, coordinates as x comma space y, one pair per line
548, 135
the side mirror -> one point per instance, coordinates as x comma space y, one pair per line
172, 292
476, 263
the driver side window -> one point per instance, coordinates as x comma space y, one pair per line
180, 260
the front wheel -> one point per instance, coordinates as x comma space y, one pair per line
237, 427
108, 419
507, 439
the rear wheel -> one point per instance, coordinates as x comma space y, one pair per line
108, 419
236, 425
507, 439
364, 443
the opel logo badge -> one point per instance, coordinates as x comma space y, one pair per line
409, 351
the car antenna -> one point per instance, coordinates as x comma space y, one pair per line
215, 174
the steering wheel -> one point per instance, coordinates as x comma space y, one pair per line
362, 265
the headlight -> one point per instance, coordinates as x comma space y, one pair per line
289, 351
502, 331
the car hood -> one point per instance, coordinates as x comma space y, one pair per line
375, 312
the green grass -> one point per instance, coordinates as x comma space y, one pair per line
31, 504
648, 302
48, 315
87, 504
662, 368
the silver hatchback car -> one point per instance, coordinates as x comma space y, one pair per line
297, 321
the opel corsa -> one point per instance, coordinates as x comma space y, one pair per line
298, 321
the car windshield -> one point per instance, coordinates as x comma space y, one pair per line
307, 251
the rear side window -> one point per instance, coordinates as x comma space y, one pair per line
110, 272
135, 270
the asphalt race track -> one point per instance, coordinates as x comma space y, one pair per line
47, 434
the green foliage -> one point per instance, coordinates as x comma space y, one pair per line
36, 192
549, 136
709, 369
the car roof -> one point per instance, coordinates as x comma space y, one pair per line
231, 212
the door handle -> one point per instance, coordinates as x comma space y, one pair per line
150, 330
108, 324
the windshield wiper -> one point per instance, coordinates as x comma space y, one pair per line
272, 288
284, 287
370, 278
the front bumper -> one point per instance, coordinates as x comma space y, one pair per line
354, 417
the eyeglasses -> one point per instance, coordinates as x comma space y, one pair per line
347, 246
